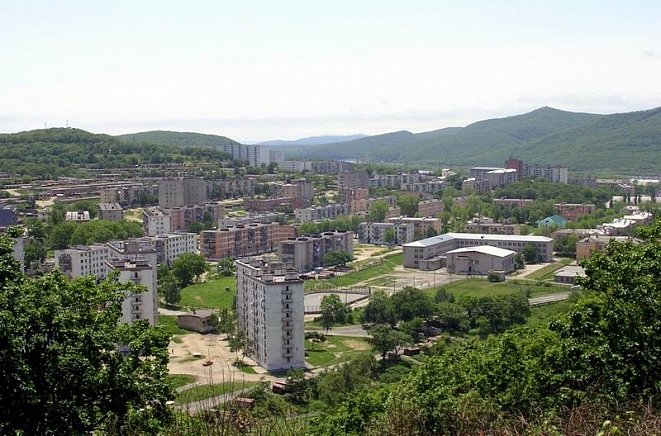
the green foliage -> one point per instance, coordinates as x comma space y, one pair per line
59, 356
385, 339
188, 267
334, 384
333, 311
337, 258
409, 204
180, 139
212, 294
410, 303
66, 234
379, 310
168, 287
378, 211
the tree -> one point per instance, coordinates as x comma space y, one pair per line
168, 287
188, 267
337, 257
385, 339
519, 261
409, 204
333, 311
410, 303
529, 253
226, 267
378, 310
389, 236
68, 375
34, 252
378, 211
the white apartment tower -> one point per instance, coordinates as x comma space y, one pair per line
139, 305
156, 222
270, 312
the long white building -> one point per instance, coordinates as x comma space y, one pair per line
270, 312
426, 253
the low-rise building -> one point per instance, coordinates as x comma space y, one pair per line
307, 252
77, 216
8, 216
270, 312
422, 226
552, 222
488, 226
595, 243
270, 204
573, 211
430, 207
110, 212
198, 321
375, 233
568, 274
424, 254
480, 260
519, 203
263, 218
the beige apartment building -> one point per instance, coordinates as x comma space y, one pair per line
244, 240
180, 192
307, 252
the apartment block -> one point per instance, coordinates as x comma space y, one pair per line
550, 173
270, 312
155, 221
263, 218
8, 216
427, 254
392, 181
77, 216
300, 189
270, 204
332, 166
320, 213
254, 155
430, 187
517, 165
375, 233
178, 192
364, 204
488, 226
573, 211
354, 179
234, 188
137, 306
596, 243
296, 166
83, 261
167, 247
430, 207
307, 252
501, 177
479, 186
421, 226
110, 212
519, 203
348, 195
243, 240
181, 218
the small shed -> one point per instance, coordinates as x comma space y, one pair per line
198, 321
568, 274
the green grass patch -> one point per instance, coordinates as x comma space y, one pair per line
356, 315
542, 314
477, 287
379, 268
334, 350
546, 273
169, 324
204, 392
244, 368
179, 380
211, 294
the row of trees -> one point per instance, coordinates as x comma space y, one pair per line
185, 270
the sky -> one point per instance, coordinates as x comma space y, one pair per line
263, 70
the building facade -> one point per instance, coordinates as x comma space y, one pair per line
155, 221
307, 252
270, 312
110, 212
320, 213
375, 233
243, 240
480, 260
178, 192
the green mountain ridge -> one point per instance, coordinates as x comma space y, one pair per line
182, 139
601, 144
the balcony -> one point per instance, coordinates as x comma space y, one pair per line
286, 353
287, 336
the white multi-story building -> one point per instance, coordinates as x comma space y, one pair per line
375, 233
319, 213
296, 166
83, 261
156, 222
137, 305
167, 247
270, 312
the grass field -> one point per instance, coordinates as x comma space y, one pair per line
336, 349
371, 272
355, 319
476, 287
169, 323
546, 273
179, 380
211, 294
203, 392
541, 315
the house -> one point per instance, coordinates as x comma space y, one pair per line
553, 221
198, 321
480, 260
568, 274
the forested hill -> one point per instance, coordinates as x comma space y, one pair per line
182, 139
617, 143
49, 153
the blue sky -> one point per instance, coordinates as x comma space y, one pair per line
258, 70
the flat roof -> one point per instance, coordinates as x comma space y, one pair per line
476, 237
484, 249
571, 271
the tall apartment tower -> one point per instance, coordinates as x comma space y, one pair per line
515, 164
270, 311
139, 305
181, 192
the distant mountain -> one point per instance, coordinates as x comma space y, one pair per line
315, 140
182, 139
618, 143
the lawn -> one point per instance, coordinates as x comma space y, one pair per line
211, 294
203, 392
169, 323
541, 315
386, 266
546, 273
334, 350
476, 287
356, 314
179, 380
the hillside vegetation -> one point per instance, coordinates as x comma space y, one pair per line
618, 143
181, 139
